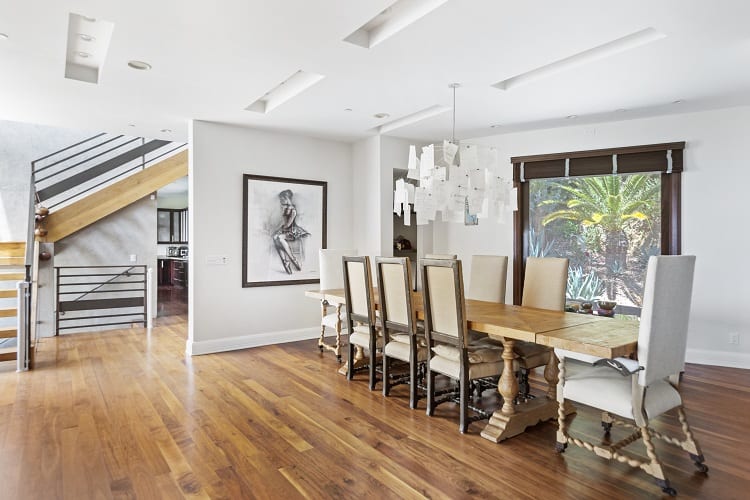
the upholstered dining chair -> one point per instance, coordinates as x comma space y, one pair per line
331, 278
400, 337
627, 390
447, 337
360, 313
488, 276
443, 256
544, 284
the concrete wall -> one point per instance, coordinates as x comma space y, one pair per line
714, 220
222, 314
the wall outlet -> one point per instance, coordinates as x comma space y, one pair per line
734, 338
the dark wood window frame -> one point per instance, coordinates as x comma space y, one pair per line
626, 160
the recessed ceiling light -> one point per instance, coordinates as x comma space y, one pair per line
497, 125
131, 124
3, 36
166, 130
380, 116
621, 110
85, 55
85, 37
347, 109
140, 65
571, 117
678, 101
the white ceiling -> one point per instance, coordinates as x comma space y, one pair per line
212, 59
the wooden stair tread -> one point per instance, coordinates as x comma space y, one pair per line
13, 249
7, 332
8, 294
8, 312
12, 261
8, 353
12, 276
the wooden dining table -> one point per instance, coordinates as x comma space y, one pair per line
583, 333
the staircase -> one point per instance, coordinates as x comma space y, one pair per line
87, 181
12, 270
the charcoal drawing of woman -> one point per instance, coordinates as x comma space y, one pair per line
288, 232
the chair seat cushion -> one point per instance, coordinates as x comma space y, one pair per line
604, 388
530, 355
361, 337
404, 339
399, 350
476, 354
330, 321
452, 368
578, 356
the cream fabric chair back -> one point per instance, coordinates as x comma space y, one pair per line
331, 275
544, 283
358, 288
662, 337
444, 307
394, 277
443, 256
488, 277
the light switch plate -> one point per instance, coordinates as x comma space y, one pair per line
216, 260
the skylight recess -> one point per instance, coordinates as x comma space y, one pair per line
289, 88
413, 118
603, 51
398, 16
86, 51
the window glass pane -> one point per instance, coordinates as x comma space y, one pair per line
608, 226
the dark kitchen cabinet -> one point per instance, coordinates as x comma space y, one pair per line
171, 225
173, 272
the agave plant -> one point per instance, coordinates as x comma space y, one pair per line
582, 286
538, 247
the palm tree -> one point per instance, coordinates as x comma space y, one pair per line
609, 202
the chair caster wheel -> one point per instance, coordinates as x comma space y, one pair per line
701, 467
670, 491
560, 447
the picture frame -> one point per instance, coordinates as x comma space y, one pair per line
283, 226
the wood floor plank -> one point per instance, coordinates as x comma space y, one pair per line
125, 414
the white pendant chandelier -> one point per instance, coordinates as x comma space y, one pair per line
459, 181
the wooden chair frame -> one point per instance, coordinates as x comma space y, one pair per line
365, 320
461, 342
389, 326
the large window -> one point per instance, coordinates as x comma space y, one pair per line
607, 211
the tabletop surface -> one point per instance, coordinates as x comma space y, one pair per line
586, 333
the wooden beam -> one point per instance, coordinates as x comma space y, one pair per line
100, 204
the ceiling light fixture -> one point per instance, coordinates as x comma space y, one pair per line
571, 117
603, 51
166, 130
139, 65
4, 36
497, 125
678, 101
621, 110
85, 55
85, 37
459, 180
347, 109
380, 116
390, 21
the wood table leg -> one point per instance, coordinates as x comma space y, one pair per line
511, 419
359, 360
551, 372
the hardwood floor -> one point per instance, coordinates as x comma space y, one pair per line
126, 414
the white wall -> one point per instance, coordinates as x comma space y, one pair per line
222, 314
367, 209
714, 213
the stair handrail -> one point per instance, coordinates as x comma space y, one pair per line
124, 273
110, 179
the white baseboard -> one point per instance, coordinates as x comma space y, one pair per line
718, 358
193, 348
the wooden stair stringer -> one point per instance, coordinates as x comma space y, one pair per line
110, 199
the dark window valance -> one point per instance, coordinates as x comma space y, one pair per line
627, 160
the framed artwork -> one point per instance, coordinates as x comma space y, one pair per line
283, 226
